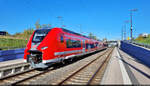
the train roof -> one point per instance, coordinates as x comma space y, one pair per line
65, 30
43, 30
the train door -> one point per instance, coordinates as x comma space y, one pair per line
83, 46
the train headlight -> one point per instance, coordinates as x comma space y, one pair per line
43, 48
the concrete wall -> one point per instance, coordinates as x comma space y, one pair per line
11, 54
139, 53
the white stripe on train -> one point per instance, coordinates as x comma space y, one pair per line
67, 52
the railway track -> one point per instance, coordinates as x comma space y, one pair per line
21, 77
32, 75
88, 74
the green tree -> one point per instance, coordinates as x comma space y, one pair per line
92, 36
7, 34
45, 26
37, 24
26, 34
105, 39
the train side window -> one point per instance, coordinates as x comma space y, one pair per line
61, 38
83, 44
69, 43
87, 45
73, 43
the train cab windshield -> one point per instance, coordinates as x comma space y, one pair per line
39, 35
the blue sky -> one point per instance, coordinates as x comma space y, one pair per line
104, 18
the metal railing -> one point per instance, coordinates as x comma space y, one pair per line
139, 44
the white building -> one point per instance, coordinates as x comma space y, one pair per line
144, 35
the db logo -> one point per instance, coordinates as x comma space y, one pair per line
34, 46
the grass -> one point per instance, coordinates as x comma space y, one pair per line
9, 43
144, 40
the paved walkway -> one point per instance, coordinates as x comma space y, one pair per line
123, 69
11, 62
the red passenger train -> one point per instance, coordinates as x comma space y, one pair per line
47, 46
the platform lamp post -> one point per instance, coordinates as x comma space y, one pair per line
131, 28
122, 33
127, 21
80, 27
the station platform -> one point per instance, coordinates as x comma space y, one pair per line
11, 62
124, 69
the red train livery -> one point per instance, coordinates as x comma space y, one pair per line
47, 46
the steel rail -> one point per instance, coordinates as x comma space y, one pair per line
22, 80
15, 75
98, 70
69, 77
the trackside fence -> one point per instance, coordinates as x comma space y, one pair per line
6, 55
139, 53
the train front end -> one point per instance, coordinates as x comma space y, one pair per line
33, 53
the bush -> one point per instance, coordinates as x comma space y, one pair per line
8, 43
